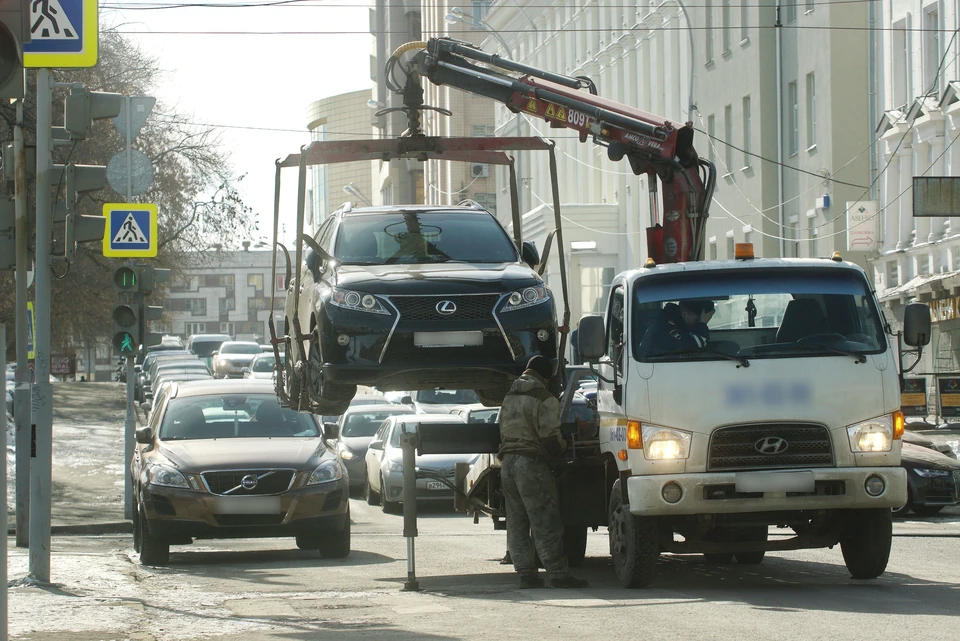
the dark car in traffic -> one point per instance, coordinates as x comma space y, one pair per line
221, 459
416, 297
933, 480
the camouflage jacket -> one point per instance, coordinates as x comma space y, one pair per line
530, 419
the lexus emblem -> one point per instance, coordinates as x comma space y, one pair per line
249, 481
446, 307
771, 445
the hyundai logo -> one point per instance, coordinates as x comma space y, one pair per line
249, 481
771, 445
446, 307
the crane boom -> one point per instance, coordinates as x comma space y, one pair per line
653, 146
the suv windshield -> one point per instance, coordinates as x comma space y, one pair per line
204, 349
767, 314
447, 397
423, 237
233, 416
240, 348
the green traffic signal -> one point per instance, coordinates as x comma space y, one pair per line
125, 278
123, 343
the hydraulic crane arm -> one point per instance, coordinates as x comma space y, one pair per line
653, 145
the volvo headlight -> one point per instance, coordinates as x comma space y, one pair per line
357, 301
395, 465
325, 472
526, 297
665, 443
166, 476
875, 435
926, 473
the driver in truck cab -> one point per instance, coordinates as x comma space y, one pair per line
530, 438
679, 327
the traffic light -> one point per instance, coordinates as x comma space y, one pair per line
14, 31
82, 106
126, 315
149, 277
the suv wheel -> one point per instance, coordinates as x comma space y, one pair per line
153, 549
328, 397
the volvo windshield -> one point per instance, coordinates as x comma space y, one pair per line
745, 314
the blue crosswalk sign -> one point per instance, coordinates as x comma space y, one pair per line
130, 230
63, 34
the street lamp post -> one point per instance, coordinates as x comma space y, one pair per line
352, 190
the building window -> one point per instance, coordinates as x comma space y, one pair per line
744, 20
227, 328
893, 275
728, 138
713, 249
747, 128
793, 116
711, 134
923, 265
483, 131
258, 304
901, 55
480, 9
931, 50
811, 110
486, 200
255, 281
594, 288
731, 246
812, 241
227, 305
808, 7
196, 306
791, 11
194, 328
708, 30
725, 18
281, 286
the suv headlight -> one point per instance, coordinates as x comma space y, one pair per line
166, 476
357, 301
325, 472
665, 443
929, 473
874, 435
526, 297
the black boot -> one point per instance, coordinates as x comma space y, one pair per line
530, 581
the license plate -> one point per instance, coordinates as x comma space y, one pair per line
436, 485
802, 481
246, 505
447, 339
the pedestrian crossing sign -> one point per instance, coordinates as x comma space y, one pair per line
64, 34
131, 230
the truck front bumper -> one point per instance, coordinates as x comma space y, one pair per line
720, 492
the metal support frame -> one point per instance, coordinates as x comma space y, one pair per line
22, 392
3, 500
408, 446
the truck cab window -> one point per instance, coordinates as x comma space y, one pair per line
615, 329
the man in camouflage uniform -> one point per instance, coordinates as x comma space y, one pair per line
530, 437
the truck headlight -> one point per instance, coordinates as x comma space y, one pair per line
356, 301
928, 473
874, 435
526, 297
166, 476
325, 472
665, 443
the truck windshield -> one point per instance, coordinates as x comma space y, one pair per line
423, 237
773, 313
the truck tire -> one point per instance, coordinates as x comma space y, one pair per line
575, 544
753, 534
866, 542
718, 558
634, 543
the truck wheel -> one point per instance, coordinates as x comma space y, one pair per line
927, 510
753, 534
866, 542
634, 543
575, 544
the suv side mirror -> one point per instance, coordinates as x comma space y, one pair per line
137, 368
406, 400
375, 445
331, 431
529, 254
591, 338
916, 325
144, 435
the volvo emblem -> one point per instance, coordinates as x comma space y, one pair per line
771, 445
249, 481
446, 307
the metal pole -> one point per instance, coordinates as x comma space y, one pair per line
3, 497
42, 454
21, 395
128, 444
408, 445
129, 151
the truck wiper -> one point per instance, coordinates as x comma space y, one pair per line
742, 362
820, 347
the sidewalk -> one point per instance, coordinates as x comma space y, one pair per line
87, 490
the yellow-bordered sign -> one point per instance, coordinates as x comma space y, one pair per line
130, 230
63, 34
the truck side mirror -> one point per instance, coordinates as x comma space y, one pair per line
331, 431
916, 325
529, 254
406, 400
591, 338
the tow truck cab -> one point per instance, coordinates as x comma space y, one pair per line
787, 413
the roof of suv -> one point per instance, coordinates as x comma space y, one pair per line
418, 209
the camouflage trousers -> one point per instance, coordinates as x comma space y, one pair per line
533, 508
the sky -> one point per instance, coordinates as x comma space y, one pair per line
254, 86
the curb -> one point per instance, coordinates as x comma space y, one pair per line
105, 527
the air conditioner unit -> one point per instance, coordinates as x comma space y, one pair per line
479, 170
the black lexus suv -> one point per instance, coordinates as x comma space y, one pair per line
415, 297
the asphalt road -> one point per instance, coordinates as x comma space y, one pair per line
267, 589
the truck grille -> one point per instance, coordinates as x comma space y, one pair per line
269, 482
738, 447
424, 308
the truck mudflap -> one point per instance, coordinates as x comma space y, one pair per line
767, 491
